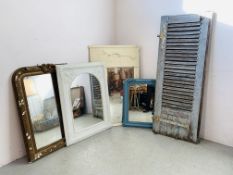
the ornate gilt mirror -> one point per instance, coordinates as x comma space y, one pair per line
39, 110
84, 100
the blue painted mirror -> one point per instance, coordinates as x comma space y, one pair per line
138, 102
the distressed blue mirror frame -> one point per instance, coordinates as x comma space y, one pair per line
126, 87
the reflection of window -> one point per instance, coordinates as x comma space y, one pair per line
34, 101
29, 87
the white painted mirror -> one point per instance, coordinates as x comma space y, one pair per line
84, 100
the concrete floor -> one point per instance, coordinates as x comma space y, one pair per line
131, 151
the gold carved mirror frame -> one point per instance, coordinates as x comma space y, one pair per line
24, 114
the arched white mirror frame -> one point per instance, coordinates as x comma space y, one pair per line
66, 74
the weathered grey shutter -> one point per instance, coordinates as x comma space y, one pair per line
180, 75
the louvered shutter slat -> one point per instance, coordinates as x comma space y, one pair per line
183, 40
183, 36
182, 25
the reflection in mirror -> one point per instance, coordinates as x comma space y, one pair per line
86, 101
141, 102
116, 76
43, 109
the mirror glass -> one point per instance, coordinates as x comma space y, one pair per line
43, 109
86, 101
116, 76
141, 103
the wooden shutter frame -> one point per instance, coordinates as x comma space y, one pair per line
199, 73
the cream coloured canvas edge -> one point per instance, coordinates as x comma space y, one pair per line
115, 55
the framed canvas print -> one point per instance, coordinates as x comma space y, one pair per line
84, 100
138, 102
121, 62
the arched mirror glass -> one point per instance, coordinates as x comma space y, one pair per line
86, 100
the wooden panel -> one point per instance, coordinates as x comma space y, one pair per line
183, 43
